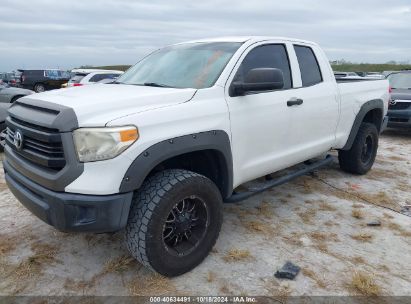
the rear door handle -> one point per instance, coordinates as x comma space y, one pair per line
295, 102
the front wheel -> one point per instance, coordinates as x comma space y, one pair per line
174, 221
360, 158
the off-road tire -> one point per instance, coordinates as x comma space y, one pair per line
152, 204
351, 160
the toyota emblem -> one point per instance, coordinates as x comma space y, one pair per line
393, 102
18, 140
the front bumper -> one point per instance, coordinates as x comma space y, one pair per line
70, 212
399, 118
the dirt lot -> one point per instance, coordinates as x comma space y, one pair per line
318, 222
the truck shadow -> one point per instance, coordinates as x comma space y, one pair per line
398, 133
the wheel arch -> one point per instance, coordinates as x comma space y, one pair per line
372, 112
206, 153
15, 97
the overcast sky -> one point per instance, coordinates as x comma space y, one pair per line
70, 33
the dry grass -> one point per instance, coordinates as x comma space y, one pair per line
240, 212
237, 255
264, 209
293, 239
323, 236
357, 206
405, 187
380, 198
364, 284
258, 227
397, 158
378, 174
152, 285
19, 276
324, 206
43, 256
388, 216
363, 237
307, 216
118, 264
78, 286
311, 185
322, 247
211, 276
7, 244
357, 260
311, 274
397, 228
224, 290
279, 294
356, 213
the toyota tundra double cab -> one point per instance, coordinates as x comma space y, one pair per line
158, 151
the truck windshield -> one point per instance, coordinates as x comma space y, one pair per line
400, 80
189, 65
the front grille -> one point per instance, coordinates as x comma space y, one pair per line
40, 146
399, 105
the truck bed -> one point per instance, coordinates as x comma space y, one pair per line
353, 94
348, 79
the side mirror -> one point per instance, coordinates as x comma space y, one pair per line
259, 79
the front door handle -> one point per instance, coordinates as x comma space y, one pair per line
295, 102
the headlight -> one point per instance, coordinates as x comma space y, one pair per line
93, 144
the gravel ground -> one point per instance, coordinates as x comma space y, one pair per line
318, 222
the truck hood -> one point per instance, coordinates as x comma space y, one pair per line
96, 105
401, 94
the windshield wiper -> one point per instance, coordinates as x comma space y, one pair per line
155, 84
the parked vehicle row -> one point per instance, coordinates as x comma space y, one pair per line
43, 80
358, 75
11, 79
82, 77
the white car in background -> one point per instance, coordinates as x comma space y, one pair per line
91, 76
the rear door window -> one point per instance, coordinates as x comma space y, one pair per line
309, 67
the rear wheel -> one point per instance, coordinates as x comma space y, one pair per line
360, 158
174, 221
39, 87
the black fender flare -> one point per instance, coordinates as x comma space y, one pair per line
217, 140
365, 108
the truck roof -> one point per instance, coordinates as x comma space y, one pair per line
250, 39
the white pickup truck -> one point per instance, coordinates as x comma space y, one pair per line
158, 151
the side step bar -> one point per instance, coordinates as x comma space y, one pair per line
237, 197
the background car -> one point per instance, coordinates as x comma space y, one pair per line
399, 109
3, 114
43, 80
388, 73
9, 78
374, 75
10, 94
91, 76
342, 75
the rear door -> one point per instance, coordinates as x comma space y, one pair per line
314, 118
